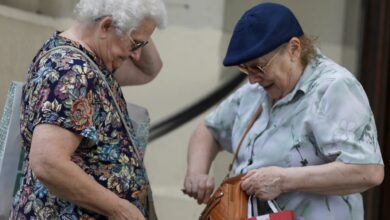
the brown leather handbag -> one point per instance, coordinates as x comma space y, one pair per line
229, 202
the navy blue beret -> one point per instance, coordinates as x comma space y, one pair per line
260, 30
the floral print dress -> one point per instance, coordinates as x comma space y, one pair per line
63, 90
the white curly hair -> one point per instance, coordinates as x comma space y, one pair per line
126, 14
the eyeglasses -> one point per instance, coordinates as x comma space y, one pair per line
137, 44
257, 69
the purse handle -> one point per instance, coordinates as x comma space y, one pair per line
251, 122
122, 117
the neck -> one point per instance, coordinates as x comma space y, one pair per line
79, 33
295, 75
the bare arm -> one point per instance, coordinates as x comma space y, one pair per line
334, 178
50, 154
202, 150
143, 71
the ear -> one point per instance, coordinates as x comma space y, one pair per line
294, 49
104, 25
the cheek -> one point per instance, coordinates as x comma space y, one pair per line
119, 53
285, 83
283, 76
119, 47
284, 79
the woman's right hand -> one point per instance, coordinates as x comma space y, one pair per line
198, 186
126, 211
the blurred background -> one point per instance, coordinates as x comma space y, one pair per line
354, 33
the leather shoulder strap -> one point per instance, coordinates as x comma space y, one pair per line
251, 122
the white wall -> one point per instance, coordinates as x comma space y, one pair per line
22, 34
52, 8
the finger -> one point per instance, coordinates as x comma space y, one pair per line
245, 184
187, 186
263, 196
249, 174
250, 186
202, 191
248, 191
184, 191
209, 190
194, 189
208, 193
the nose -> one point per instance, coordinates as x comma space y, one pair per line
255, 78
136, 55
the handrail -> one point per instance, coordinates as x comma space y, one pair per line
167, 125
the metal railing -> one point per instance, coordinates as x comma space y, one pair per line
170, 123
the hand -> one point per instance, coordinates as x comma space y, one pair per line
126, 211
198, 186
265, 183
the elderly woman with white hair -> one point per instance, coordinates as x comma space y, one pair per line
82, 161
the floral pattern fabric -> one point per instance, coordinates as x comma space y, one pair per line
63, 89
325, 118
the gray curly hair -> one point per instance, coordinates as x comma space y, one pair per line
126, 14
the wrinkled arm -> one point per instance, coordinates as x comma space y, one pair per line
202, 150
50, 160
143, 71
334, 178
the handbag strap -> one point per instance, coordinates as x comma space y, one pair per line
96, 68
251, 122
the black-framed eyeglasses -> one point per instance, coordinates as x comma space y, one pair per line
137, 44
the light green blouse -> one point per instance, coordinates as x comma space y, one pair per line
325, 118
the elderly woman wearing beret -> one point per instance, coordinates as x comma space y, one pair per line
81, 163
314, 146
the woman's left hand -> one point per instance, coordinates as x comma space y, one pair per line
265, 183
